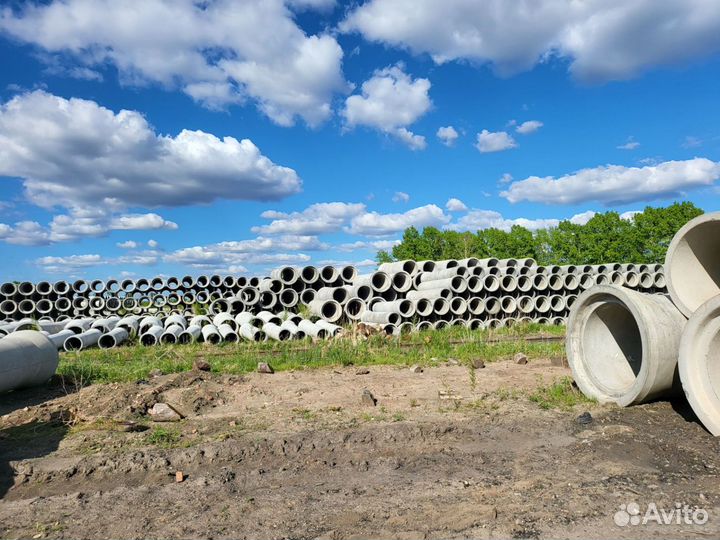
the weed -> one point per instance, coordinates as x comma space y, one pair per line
163, 437
560, 395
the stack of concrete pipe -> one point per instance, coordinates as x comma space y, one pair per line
628, 347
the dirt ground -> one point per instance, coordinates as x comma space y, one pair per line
447, 453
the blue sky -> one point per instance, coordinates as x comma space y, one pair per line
555, 112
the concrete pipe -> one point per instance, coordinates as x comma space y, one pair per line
8, 289
492, 306
692, 263
474, 285
228, 333
540, 282
251, 333
474, 324
250, 295
542, 304
470, 262
570, 299
58, 338
699, 364
403, 328
112, 286
508, 305
423, 307
378, 281
441, 307
440, 324
113, 338
190, 335
8, 307
313, 330
272, 285
491, 283
309, 275
556, 282
586, 280
307, 296
508, 284
332, 329
78, 326
268, 317
179, 320
188, 298
295, 332
210, 334
202, 297
526, 304
61, 288
80, 286
647, 281
289, 298
171, 283
541, 320
26, 306
202, 282
43, 288
105, 325
173, 299
79, 342
441, 274
380, 318
476, 306
287, 274
201, 320
147, 322
348, 273
129, 303
112, 304
62, 305
616, 278
329, 274
339, 294
388, 296
425, 266
171, 334
129, 323
151, 336
422, 326
128, 285
448, 263
511, 271
458, 306
630, 279
404, 308
253, 282
27, 358
525, 283
490, 262
44, 306
268, 300
401, 282
363, 292
557, 303
26, 288
622, 345
659, 281
221, 305
229, 282
354, 308
407, 266
602, 279
275, 332
430, 294
568, 269
457, 284
571, 283
224, 318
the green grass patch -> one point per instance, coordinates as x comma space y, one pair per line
134, 362
560, 395
162, 436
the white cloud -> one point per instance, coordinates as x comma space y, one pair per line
70, 264
128, 244
531, 126
372, 245
216, 257
401, 196
137, 222
477, 220
390, 101
630, 214
448, 135
456, 205
75, 153
375, 224
602, 39
616, 184
494, 141
630, 144
153, 243
318, 218
506, 178
217, 52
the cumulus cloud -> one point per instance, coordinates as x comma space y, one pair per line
390, 101
531, 126
599, 38
582, 218
456, 205
75, 153
630, 144
494, 141
476, 220
372, 245
401, 196
448, 135
375, 224
318, 218
128, 244
153, 244
506, 178
616, 184
216, 52
69, 264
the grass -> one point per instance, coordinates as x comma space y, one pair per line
560, 395
134, 362
164, 437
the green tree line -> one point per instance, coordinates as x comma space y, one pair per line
606, 237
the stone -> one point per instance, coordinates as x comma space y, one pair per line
179, 476
368, 399
362, 371
201, 365
416, 369
520, 358
264, 367
478, 363
162, 412
453, 362
584, 419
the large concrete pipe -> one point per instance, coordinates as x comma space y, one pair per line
58, 338
210, 334
244, 317
329, 275
508, 304
79, 342
309, 275
405, 308
622, 345
441, 274
151, 336
171, 334
492, 306
330, 310
115, 337
348, 273
289, 298
78, 326
441, 307
692, 263
27, 358
699, 363
378, 281
380, 318
268, 300
508, 284
448, 263
251, 333
425, 266
354, 308
422, 326
339, 294
105, 325
408, 266
307, 296
273, 331
8, 307
191, 334
659, 281
8, 289
61, 288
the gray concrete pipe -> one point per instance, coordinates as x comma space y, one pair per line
115, 337
151, 336
58, 338
210, 334
295, 332
364, 292
191, 334
329, 274
330, 310
312, 330
332, 329
401, 282
27, 358
404, 308
623, 345
309, 275
224, 318
171, 334
354, 308
268, 317
339, 294
82, 341
228, 333
407, 266
423, 307
380, 318
251, 333
273, 331
378, 281
287, 274
456, 284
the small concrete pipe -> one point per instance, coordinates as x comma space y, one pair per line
456, 284
329, 274
151, 336
380, 318
699, 364
364, 292
430, 294
228, 333
623, 345
339, 294
191, 334
354, 308
401, 282
332, 329
171, 334
27, 358
210, 334
423, 307
295, 332
268, 317
179, 320
408, 266
289, 298
330, 310
273, 331
115, 337
287, 274
79, 342
378, 281
59, 338
692, 263
251, 333
224, 318
309, 275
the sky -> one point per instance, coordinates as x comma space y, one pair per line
172, 137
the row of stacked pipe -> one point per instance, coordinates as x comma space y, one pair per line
399, 297
628, 347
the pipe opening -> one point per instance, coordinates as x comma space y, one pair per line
106, 342
612, 348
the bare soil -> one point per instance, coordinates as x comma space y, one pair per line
446, 453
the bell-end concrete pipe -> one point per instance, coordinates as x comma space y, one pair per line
692, 263
426, 266
8, 289
287, 274
699, 364
330, 310
423, 307
660, 281
422, 326
307, 296
622, 345
268, 317
405, 308
329, 274
272, 285
401, 282
291, 327
228, 333
380, 318
476, 306
79, 342
171, 334
363, 292
332, 329
27, 358
115, 337
339, 294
